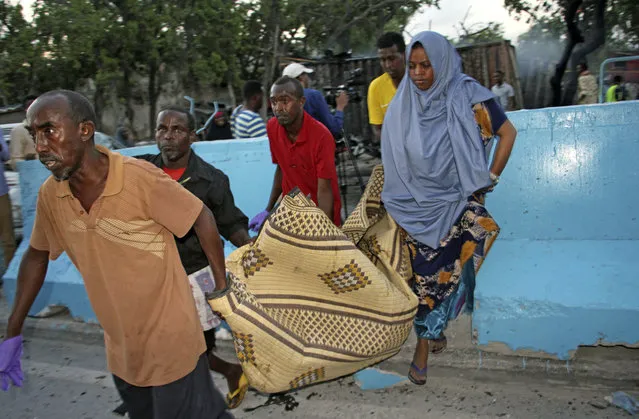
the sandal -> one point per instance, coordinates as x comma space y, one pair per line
420, 371
442, 344
234, 399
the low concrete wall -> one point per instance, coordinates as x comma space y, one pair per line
246, 162
562, 273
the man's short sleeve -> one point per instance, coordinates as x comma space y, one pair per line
43, 235
375, 114
511, 91
326, 157
172, 206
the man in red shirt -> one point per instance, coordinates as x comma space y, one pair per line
303, 150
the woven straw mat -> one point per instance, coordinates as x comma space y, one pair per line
310, 302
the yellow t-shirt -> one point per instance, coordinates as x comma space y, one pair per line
380, 93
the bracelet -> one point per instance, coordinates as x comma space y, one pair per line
494, 178
220, 293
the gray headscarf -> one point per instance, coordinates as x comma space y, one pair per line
432, 151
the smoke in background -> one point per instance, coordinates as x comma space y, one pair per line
538, 52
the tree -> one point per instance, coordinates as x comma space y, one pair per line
70, 36
614, 23
576, 14
18, 60
478, 32
210, 43
271, 29
332, 24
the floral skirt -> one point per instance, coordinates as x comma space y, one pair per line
444, 278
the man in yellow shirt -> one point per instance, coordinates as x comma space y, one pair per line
390, 50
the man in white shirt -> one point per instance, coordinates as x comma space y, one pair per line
21, 145
504, 91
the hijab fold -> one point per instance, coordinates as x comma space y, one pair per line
432, 151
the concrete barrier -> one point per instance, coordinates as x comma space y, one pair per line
562, 273
246, 162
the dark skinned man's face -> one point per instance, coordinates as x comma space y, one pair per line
287, 107
392, 61
172, 135
59, 140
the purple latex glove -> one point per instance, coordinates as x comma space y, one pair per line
258, 220
10, 364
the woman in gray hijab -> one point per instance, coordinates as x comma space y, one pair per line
436, 140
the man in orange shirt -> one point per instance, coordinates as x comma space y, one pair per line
115, 217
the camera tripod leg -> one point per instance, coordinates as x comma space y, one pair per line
341, 178
354, 163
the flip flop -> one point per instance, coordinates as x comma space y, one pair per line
234, 399
442, 347
420, 371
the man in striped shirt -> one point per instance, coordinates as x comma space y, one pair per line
246, 121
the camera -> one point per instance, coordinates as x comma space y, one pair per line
353, 78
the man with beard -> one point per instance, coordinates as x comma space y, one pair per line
115, 217
174, 134
303, 150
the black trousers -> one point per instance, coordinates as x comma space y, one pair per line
191, 397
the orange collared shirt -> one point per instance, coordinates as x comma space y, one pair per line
125, 251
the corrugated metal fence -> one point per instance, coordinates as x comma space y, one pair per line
480, 61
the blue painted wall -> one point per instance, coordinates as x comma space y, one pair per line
562, 272
246, 162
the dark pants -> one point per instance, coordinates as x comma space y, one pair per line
191, 397
6, 230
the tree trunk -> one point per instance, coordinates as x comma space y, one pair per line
270, 60
574, 38
98, 95
231, 91
597, 37
153, 93
129, 112
98, 105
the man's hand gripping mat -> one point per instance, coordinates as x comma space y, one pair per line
310, 302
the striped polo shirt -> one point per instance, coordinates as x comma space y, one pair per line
247, 124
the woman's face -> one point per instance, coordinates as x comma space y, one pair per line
419, 68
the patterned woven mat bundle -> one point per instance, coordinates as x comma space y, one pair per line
311, 302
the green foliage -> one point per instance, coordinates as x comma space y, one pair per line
120, 43
18, 59
340, 25
491, 32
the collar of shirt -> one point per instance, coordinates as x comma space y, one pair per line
115, 177
196, 168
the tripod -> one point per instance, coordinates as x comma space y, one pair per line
344, 154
